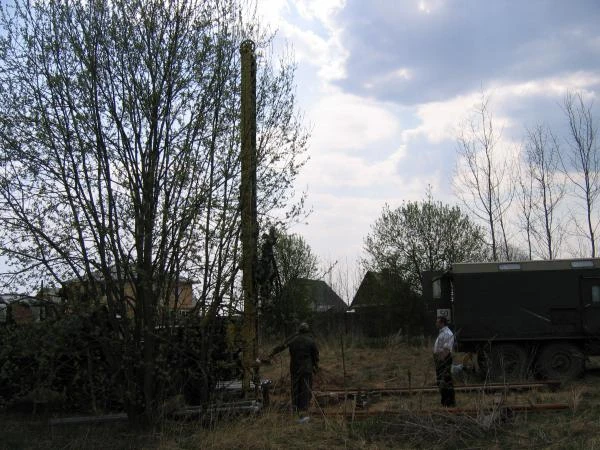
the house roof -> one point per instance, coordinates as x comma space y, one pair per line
379, 289
99, 276
322, 296
7, 299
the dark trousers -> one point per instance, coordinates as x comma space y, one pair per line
443, 375
301, 390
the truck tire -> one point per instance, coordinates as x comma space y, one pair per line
507, 362
561, 361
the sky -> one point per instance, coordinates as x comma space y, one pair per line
386, 85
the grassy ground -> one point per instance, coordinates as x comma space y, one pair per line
380, 364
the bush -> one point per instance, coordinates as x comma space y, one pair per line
74, 364
58, 363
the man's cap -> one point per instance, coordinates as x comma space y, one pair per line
303, 327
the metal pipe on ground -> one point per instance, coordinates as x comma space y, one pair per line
505, 409
490, 387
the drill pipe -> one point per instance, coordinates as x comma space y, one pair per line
490, 387
504, 409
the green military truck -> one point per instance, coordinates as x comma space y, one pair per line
522, 318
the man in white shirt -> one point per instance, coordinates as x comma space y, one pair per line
442, 356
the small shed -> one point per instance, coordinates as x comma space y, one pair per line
23, 309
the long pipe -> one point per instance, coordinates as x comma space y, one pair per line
539, 407
490, 387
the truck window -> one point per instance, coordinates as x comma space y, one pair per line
582, 264
509, 266
596, 295
437, 289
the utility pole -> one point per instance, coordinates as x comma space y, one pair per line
249, 216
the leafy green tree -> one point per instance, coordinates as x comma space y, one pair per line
119, 159
422, 236
288, 301
295, 258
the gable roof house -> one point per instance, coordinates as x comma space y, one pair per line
317, 295
303, 300
385, 304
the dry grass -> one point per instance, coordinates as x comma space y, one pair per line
390, 363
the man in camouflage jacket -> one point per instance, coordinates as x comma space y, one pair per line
304, 361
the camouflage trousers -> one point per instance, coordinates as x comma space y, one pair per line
443, 375
301, 390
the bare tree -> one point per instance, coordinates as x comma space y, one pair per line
119, 152
345, 278
582, 163
542, 156
483, 179
524, 194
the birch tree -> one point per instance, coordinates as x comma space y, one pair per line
483, 178
542, 156
524, 195
581, 164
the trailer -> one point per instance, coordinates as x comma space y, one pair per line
522, 318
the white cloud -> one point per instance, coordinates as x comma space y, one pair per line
337, 170
440, 121
345, 122
322, 10
325, 51
555, 86
395, 76
424, 8
342, 223
430, 6
310, 48
271, 12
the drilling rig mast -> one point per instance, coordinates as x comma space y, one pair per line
248, 213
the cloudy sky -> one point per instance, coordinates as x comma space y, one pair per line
385, 85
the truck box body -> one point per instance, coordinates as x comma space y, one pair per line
529, 303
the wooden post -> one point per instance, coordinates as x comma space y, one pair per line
248, 213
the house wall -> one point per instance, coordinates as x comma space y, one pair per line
21, 313
181, 298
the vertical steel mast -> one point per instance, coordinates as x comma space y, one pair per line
248, 213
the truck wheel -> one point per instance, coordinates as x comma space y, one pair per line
508, 362
561, 361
